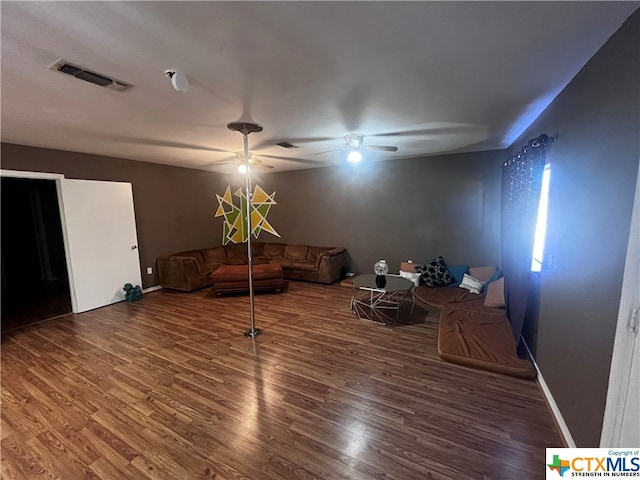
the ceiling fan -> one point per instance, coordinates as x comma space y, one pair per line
239, 162
354, 144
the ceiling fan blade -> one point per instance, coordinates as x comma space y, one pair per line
150, 142
289, 159
223, 162
330, 151
437, 129
382, 148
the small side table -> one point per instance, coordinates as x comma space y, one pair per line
369, 302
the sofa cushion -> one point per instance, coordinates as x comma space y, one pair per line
296, 252
257, 249
197, 254
260, 260
235, 261
285, 262
495, 294
209, 268
314, 252
274, 250
435, 273
303, 265
236, 250
236, 273
215, 255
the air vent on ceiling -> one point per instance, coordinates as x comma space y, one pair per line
63, 66
286, 145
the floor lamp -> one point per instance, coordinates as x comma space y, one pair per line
245, 128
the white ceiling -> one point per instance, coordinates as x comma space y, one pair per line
428, 77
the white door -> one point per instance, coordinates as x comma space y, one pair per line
621, 427
101, 241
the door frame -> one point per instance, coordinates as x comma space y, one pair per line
625, 343
57, 177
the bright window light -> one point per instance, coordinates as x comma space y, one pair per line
541, 223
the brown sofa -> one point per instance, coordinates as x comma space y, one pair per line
473, 334
191, 270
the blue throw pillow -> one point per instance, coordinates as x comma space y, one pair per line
457, 271
497, 275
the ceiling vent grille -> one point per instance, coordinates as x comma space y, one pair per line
63, 66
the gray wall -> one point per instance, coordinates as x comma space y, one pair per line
594, 165
174, 207
407, 209
410, 209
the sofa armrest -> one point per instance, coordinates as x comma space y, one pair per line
329, 264
179, 272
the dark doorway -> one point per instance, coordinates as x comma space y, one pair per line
35, 283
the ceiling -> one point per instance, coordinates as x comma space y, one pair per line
427, 77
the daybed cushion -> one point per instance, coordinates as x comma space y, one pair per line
484, 341
443, 296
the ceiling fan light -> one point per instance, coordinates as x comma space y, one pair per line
240, 156
242, 168
354, 156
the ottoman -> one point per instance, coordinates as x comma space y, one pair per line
235, 278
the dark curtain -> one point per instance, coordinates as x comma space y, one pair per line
521, 185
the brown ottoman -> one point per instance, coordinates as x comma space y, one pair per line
235, 278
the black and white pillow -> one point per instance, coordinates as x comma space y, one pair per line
435, 273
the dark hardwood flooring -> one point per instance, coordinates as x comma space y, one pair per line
34, 302
168, 388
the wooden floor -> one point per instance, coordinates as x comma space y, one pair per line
168, 388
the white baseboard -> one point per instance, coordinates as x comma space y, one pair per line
564, 430
152, 289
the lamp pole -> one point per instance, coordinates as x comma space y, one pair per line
245, 128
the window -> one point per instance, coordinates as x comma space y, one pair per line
541, 223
